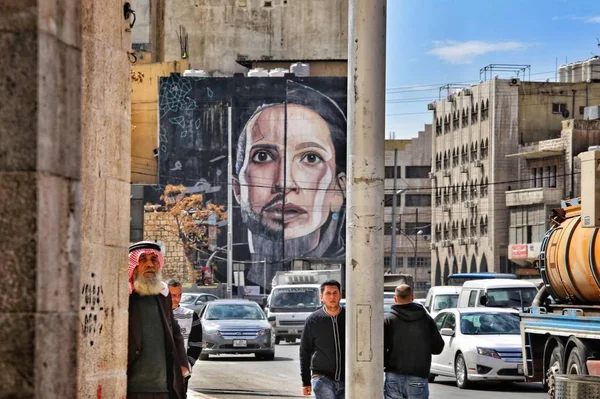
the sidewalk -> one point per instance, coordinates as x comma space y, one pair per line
191, 394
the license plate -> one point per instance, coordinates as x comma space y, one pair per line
239, 343
520, 369
293, 331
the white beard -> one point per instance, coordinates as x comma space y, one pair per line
147, 285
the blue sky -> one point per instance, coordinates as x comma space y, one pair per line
431, 43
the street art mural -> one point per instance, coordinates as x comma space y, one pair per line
289, 154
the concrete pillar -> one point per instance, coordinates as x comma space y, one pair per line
40, 161
106, 137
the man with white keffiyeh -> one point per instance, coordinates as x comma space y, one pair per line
157, 360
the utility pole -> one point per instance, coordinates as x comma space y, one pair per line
416, 246
229, 205
364, 231
394, 212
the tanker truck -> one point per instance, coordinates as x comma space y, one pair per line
561, 332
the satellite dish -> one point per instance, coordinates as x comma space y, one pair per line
565, 113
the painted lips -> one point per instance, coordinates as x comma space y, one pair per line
288, 212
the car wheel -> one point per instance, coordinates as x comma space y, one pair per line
277, 340
460, 370
203, 356
432, 378
576, 363
269, 356
555, 366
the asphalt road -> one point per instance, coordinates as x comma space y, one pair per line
244, 377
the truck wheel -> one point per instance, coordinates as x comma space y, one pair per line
555, 366
432, 378
576, 363
203, 356
277, 340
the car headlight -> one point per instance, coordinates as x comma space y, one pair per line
264, 331
488, 352
212, 331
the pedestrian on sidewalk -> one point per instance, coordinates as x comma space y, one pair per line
410, 338
189, 323
156, 357
322, 346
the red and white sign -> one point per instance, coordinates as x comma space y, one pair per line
518, 251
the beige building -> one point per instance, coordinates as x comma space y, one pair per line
413, 206
229, 36
548, 172
475, 129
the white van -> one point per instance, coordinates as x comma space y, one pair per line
505, 293
441, 297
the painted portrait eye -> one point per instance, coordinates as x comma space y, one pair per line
262, 157
311, 158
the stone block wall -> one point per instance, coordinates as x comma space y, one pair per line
160, 226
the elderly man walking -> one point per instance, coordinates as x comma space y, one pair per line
157, 358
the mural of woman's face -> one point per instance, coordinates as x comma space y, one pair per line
312, 189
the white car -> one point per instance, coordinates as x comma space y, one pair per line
480, 344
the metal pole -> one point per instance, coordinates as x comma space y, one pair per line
394, 233
364, 231
416, 242
229, 204
265, 276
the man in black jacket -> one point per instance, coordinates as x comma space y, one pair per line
322, 346
410, 338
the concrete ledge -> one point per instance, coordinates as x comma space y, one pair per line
191, 394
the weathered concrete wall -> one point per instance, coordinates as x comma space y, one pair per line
40, 83
222, 31
106, 132
144, 118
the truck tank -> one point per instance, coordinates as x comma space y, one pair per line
569, 258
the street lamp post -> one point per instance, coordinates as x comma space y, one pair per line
394, 255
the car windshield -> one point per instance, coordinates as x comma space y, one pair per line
511, 297
188, 298
387, 307
307, 297
234, 312
489, 324
445, 301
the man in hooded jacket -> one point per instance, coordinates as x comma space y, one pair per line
410, 338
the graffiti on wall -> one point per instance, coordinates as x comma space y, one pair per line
289, 161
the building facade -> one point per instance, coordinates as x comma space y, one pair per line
548, 171
413, 207
474, 132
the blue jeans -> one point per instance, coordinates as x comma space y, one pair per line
326, 388
398, 386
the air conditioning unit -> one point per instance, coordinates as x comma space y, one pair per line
430, 107
431, 176
447, 173
463, 241
467, 92
467, 204
450, 98
464, 168
445, 208
478, 164
515, 82
473, 240
432, 246
446, 243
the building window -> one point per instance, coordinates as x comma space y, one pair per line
446, 123
389, 200
581, 110
438, 127
387, 261
485, 109
387, 229
455, 154
483, 226
463, 192
464, 157
438, 197
447, 159
389, 172
483, 149
455, 230
473, 229
552, 176
484, 187
455, 121
421, 286
446, 230
417, 172
446, 195
474, 114
473, 151
463, 228
417, 200
465, 117
422, 261
455, 194
438, 233
474, 189
558, 108
438, 162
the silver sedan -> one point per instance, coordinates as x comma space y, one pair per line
236, 326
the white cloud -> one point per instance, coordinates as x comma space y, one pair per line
464, 52
588, 20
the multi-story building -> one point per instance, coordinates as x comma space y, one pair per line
413, 207
474, 131
548, 171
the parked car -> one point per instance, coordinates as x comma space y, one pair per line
236, 326
196, 301
481, 344
441, 297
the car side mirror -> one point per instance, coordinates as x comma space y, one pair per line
448, 332
483, 301
271, 319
